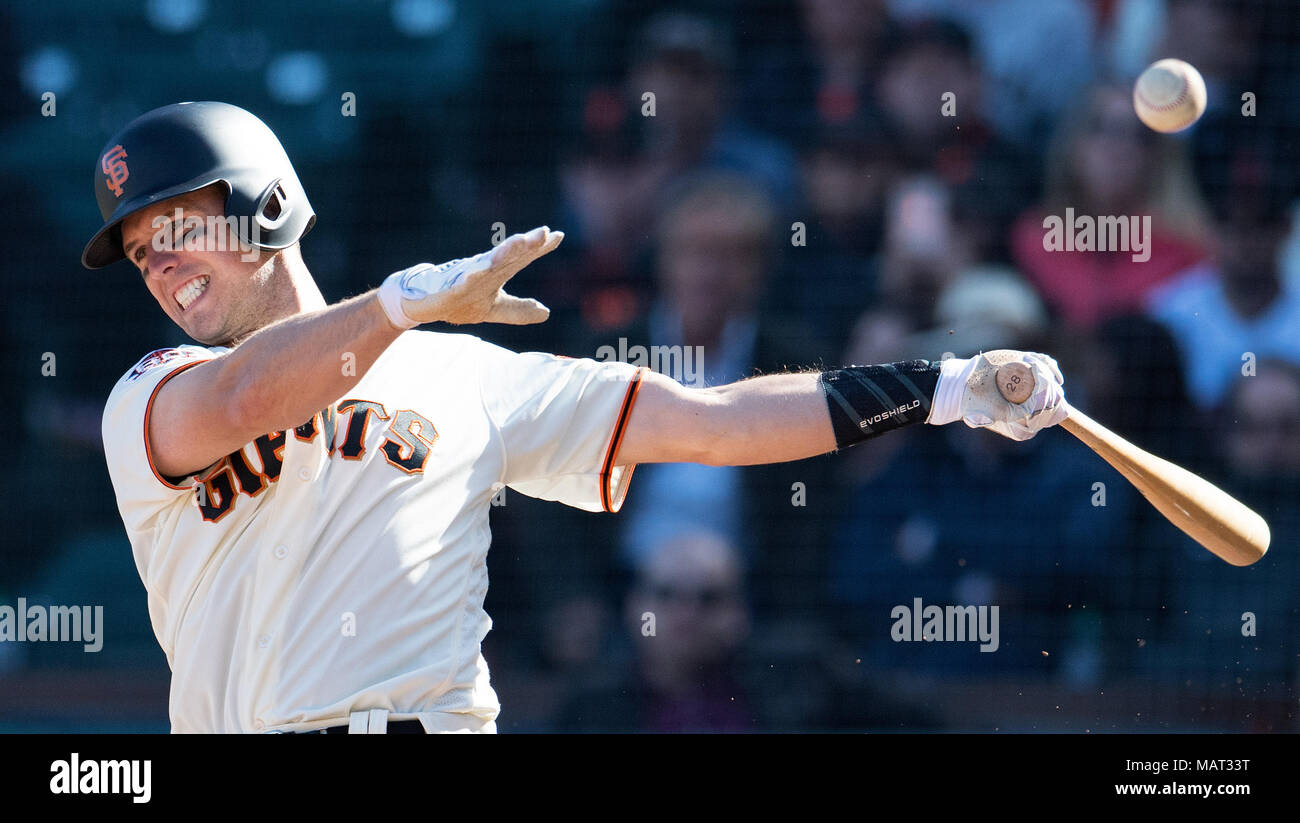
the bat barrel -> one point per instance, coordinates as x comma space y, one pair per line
1203, 511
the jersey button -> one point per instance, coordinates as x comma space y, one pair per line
259, 725
280, 552
264, 641
304, 474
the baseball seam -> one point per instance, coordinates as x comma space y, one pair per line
1178, 101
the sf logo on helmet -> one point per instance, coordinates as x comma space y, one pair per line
114, 166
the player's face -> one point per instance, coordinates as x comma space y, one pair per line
205, 283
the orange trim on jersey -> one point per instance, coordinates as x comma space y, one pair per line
315, 430
351, 404
265, 481
220, 468
148, 409
395, 436
616, 440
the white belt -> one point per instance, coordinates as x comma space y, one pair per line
375, 721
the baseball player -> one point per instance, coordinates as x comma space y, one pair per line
307, 491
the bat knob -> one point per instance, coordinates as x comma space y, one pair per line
1015, 382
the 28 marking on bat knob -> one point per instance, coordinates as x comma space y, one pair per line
1015, 382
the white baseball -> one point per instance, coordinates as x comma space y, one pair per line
1169, 96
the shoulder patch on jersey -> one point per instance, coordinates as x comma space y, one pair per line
153, 360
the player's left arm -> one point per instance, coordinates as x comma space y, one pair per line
782, 417
768, 419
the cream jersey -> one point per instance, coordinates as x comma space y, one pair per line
341, 566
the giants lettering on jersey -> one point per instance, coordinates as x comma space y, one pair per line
410, 436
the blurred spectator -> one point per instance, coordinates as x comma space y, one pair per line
1133, 381
715, 243
930, 89
635, 146
925, 248
825, 79
685, 62
985, 307
1231, 312
982, 308
1263, 441
1127, 374
1219, 37
1237, 628
880, 335
1126, 32
935, 295
688, 619
802, 679
575, 639
965, 517
847, 173
1246, 50
1036, 55
1105, 163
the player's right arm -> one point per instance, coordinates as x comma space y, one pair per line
281, 375
276, 379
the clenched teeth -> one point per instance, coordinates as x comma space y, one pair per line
190, 292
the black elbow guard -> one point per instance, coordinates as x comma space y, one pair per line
865, 401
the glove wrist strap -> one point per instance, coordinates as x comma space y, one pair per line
390, 298
953, 373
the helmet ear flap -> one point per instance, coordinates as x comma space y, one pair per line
273, 207
268, 216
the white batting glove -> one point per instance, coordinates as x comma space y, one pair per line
967, 391
469, 290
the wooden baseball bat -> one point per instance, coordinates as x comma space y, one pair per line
1206, 513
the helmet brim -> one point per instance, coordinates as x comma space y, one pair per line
105, 248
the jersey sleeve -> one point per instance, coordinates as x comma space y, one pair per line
139, 486
561, 421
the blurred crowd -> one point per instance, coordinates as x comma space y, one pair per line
774, 185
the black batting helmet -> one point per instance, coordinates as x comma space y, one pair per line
182, 148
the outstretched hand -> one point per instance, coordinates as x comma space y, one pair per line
470, 290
